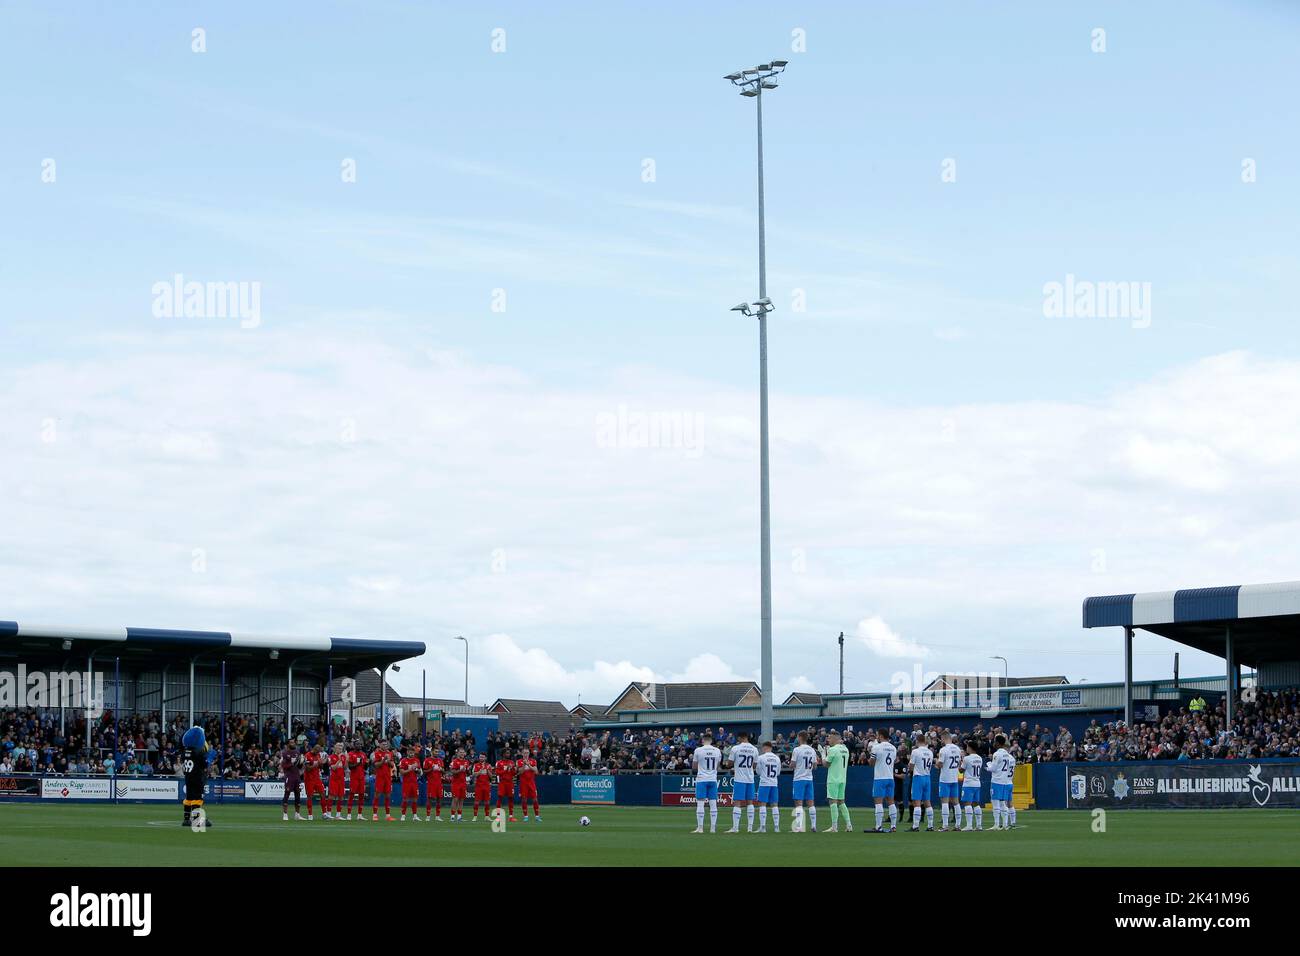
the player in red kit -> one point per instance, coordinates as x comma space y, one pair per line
409, 770
313, 762
357, 780
383, 762
433, 786
338, 765
505, 771
526, 767
482, 774
458, 767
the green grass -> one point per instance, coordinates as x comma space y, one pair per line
254, 835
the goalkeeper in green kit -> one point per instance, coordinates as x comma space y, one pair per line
836, 759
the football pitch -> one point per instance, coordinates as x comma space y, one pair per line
254, 835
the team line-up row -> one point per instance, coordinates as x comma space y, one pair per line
756, 774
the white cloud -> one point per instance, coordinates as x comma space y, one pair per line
468, 497
883, 641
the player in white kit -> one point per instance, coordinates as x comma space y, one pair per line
744, 760
706, 759
972, 766
1002, 771
949, 790
803, 760
883, 756
921, 761
768, 768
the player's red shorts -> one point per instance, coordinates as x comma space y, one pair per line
458, 789
527, 789
483, 791
337, 785
433, 788
357, 784
410, 787
505, 788
383, 784
313, 785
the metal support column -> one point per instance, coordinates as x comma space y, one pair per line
221, 757
1233, 674
1128, 676
117, 700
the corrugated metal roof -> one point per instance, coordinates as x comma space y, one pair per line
1233, 602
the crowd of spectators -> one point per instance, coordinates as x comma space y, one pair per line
34, 741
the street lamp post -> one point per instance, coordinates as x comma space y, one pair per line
1006, 670
466, 640
752, 83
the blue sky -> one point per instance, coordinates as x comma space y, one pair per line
953, 470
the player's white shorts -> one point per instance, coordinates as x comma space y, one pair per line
882, 788
1000, 791
742, 791
706, 790
767, 795
970, 794
803, 790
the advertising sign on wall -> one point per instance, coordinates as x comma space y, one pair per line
678, 790
1044, 699
19, 787
148, 788
264, 790
588, 789
1184, 784
75, 788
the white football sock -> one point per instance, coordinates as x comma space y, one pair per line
944, 813
812, 817
750, 817
699, 814
880, 815
735, 817
916, 816
1012, 810
979, 815
713, 814
893, 814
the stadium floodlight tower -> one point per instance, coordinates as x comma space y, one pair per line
752, 83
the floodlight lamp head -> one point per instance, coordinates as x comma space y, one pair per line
764, 301
743, 307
